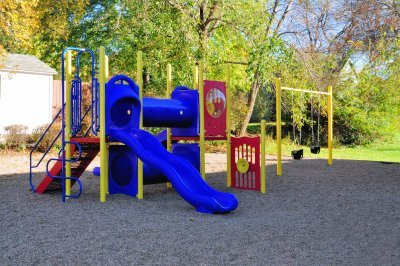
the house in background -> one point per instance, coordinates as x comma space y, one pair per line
26, 92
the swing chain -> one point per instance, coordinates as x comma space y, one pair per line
319, 115
312, 120
301, 116
293, 122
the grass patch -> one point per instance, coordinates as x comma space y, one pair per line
382, 152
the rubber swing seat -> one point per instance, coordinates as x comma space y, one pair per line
315, 149
297, 154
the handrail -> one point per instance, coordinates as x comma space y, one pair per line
76, 125
84, 116
47, 129
57, 136
63, 137
95, 103
47, 150
76, 96
63, 178
94, 99
77, 144
31, 166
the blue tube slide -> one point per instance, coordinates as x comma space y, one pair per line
184, 177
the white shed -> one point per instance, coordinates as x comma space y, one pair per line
26, 92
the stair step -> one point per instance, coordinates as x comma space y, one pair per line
90, 149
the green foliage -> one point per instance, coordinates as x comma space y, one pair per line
365, 110
367, 104
239, 31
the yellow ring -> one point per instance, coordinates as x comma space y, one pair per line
242, 165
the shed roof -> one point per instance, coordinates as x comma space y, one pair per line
27, 64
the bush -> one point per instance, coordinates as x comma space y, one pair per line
48, 138
366, 110
3, 146
16, 136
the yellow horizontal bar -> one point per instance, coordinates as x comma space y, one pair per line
268, 124
308, 91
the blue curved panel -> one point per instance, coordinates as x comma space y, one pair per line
123, 103
191, 99
122, 174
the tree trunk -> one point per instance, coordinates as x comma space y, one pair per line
255, 87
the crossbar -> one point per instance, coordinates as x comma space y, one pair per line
307, 91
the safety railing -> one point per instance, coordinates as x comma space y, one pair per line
75, 123
76, 105
47, 130
95, 106
62, 177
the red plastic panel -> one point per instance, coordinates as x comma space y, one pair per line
247, 148
215, 108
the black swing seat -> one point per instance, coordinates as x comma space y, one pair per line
315, 149
297, 154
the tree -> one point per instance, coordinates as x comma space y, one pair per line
18, 27
268, 53
308, 44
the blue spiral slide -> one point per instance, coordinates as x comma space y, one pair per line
122, 114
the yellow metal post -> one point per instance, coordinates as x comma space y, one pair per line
263, 175
140, 84
202, 131
228, 126
196, 77
103, 143
107, 144
330, 124
168, 95
68, 109
106, 66
278, 128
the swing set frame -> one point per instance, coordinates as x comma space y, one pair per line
278, 95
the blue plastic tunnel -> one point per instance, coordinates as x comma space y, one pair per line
181, 111
167, 113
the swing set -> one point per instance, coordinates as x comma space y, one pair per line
315, 147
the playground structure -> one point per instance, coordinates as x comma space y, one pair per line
298, 154
118, 113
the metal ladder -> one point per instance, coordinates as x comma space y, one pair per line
57, 172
